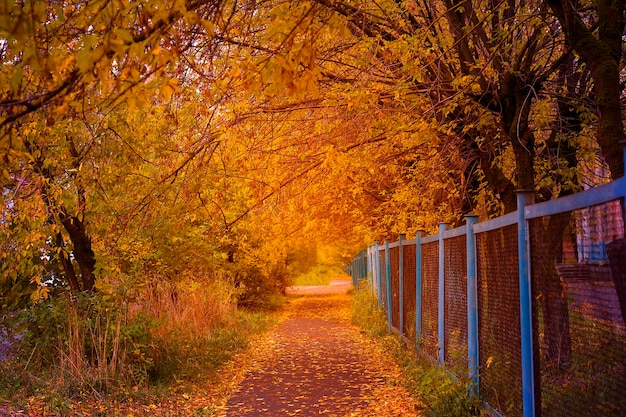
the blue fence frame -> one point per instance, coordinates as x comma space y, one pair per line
368, 265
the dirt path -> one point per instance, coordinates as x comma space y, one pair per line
317, 363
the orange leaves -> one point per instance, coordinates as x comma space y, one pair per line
168, 87
319, 363
315, 362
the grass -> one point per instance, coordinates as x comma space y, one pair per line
116, 351
441, 395
593, 381
320, 274
366, 313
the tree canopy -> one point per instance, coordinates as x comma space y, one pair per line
158, 138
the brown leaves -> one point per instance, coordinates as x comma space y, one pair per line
314, 363
320, 364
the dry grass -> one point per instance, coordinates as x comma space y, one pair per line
117, 351
108, 343
188, 308
92, 353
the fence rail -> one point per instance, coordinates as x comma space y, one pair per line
530, 306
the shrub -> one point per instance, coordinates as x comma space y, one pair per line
255, 288
188, 315
135, 340
83, 344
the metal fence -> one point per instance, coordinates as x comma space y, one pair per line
530, 306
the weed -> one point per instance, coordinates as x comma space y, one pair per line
112, 345
366, 313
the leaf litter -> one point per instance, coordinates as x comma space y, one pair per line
315, 362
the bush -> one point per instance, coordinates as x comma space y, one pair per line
188, 315
82, 344
107, 340
443, 395
137, 341
75, 346
255, 289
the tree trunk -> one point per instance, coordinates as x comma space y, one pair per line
547, 243
515, 124
616, 252
66, 263
602, 55
83, 253
501, 186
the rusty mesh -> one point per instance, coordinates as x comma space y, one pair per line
430, 288
394, 255
579, 284
455, 311
499, 320
409, 291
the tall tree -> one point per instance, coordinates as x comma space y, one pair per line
67, 69
595, 31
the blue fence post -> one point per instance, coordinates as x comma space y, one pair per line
363, 265
401, 282
623, 200
378, 277
441, 303
361, 257
418, 287
388, 279
368, 270
472, 304
370, 267
351, 269
373, 266
525, 198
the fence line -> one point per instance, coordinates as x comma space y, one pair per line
530, 306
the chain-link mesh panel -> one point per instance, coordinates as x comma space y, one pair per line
383, 280
455, 312
409, 291
430, 288
498, 320
579, 283
395, 287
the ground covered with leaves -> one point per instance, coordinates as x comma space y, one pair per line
318, 363
315, 362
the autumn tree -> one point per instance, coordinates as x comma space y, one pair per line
67, 68
503, 80
163, 136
